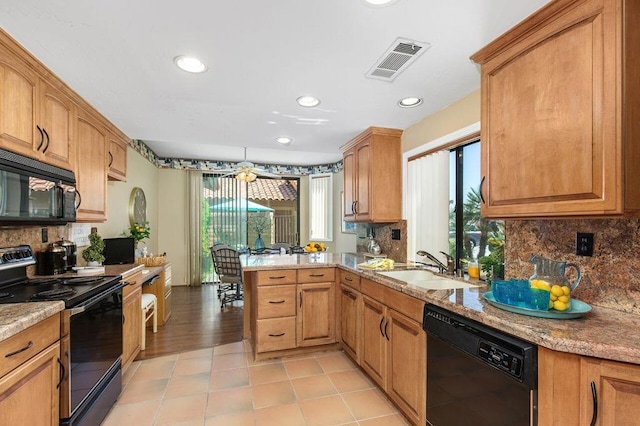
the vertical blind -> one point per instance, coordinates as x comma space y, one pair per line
321, 207
428, 204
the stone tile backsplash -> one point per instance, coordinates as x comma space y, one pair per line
394, 249
610, 278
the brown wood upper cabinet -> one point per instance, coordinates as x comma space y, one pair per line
91, 168
559, 92
117, 157
372, 176
36, 119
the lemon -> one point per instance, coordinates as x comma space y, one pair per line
556, 290
540, 285
553, 297
560, 306
564, 299
566, 290
550, 304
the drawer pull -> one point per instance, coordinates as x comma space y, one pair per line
278, 277
20, 350
276, 335
348, 279
276, 301
316, 275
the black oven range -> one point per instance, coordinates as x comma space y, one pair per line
91, 332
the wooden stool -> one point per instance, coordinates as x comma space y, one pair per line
149, 309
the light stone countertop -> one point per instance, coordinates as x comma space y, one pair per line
16, 317
602, 333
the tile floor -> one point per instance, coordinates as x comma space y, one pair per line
223, 386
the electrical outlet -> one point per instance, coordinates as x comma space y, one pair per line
395, 234
584, 244
45, 235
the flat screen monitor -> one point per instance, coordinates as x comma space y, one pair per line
119, 251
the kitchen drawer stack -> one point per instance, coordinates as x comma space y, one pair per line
292, 309
30, 375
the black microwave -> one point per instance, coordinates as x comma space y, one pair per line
35, 193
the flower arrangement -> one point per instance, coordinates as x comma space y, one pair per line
260, 223
140, 231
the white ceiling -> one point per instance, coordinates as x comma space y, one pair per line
262, 55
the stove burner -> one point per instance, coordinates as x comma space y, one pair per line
80, 280
55, 293
5, 296
40, 281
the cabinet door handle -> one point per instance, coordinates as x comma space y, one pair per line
276, 301
480, 190
386, 324
41, 138
355, 207
594, 395
300, 300
63, 372
276, 335
46, 147
380, 326
110, 159
79, 196
29, 345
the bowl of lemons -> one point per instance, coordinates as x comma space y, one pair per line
314, 247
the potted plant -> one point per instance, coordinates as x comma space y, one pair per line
493, 264
93, 254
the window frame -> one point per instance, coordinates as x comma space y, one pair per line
327, 208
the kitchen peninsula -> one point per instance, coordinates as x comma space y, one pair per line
590, 335
377, 321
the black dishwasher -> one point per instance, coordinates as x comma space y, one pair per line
477, 375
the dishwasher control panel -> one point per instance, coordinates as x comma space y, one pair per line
500, 358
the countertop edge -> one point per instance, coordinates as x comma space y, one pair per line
17, 317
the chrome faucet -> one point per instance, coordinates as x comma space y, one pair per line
449, 268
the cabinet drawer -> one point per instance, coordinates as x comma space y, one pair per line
286, 276
24, 345
276, 301
276, 334
349, 278
316, 275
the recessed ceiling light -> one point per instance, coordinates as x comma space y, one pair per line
284, 140
380, 3
190, 64
410, 102
308, 101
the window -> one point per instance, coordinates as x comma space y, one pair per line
471, 236
321, 207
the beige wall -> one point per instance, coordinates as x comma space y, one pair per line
173, 220
140, 173
456, 116
342, 243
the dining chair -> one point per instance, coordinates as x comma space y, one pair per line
226, 262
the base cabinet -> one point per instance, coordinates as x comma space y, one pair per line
292, 309
131, 319
350, 326
393, 347
30, 373
579, 390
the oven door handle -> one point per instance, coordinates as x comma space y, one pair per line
95, 300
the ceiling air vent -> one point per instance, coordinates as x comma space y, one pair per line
396, 59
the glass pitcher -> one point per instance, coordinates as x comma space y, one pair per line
553, 272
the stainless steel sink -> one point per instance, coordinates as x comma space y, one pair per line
426, 279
